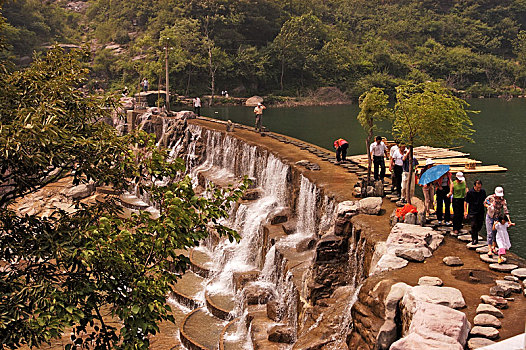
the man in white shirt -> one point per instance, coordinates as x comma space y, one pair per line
258, 111
197, 106
378, 150
396, 167
392, 150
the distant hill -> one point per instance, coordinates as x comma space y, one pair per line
477, 47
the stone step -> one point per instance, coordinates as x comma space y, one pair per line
187, 288
490, 260
108, 190
220, 305
260, 324
132, 202
201, 330
201, 262
229, 339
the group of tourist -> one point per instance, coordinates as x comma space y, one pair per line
472, 204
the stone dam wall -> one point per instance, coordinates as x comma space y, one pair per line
321, 269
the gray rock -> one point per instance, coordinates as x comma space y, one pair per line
500, 291
80, 191
482, 250
251, 194
305, 244
389, 331
274, 310
410, 254
490, 310
519, 273
410, 218
452, 261
370, 206
486, 320
475, 343
484, 332
257, 293
498, 302
433, 318
466, 238
390, 262
430, 281
488, 259
446, 296
511, 278
416, 341
281, 334
502, 267
511, 285
476, 246
253, 101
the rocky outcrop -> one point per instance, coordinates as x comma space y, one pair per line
405, 243
424, 314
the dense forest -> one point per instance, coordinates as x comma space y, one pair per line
283, 47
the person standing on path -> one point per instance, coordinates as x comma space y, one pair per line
474, 209
258, 111
444, 188
408, 193
428, 189
503, 239
392, 150
378, 150
197, 106
396, 167
459, 191
145, 85
496, 206
341, 149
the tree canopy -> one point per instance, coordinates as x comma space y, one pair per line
75, 271
268, 46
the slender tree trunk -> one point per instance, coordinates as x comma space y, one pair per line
410, 183
167, 78
212, 74
188, 83
368, 145
282, 72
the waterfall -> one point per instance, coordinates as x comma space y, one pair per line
306, 207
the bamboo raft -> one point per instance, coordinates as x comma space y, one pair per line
458, 161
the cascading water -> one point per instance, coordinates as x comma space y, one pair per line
226, 157
248, 221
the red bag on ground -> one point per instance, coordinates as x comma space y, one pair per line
408, 208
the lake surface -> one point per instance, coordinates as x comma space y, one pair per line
499, 139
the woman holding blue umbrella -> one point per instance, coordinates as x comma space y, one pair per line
444, 188
427, 188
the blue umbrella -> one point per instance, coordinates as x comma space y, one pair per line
433, 174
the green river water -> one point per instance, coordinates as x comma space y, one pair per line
500, 128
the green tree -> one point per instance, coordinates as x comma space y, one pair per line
74, 272
373, 108
298, 42
429, 114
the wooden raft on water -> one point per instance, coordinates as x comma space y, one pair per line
458, 161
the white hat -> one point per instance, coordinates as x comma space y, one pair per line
430, 161
460, 176
499, 191
259, 103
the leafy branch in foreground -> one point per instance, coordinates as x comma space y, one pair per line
97, 273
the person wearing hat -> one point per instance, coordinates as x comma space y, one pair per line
258, 111
459, 191
474, 209
496, 206
427, 189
